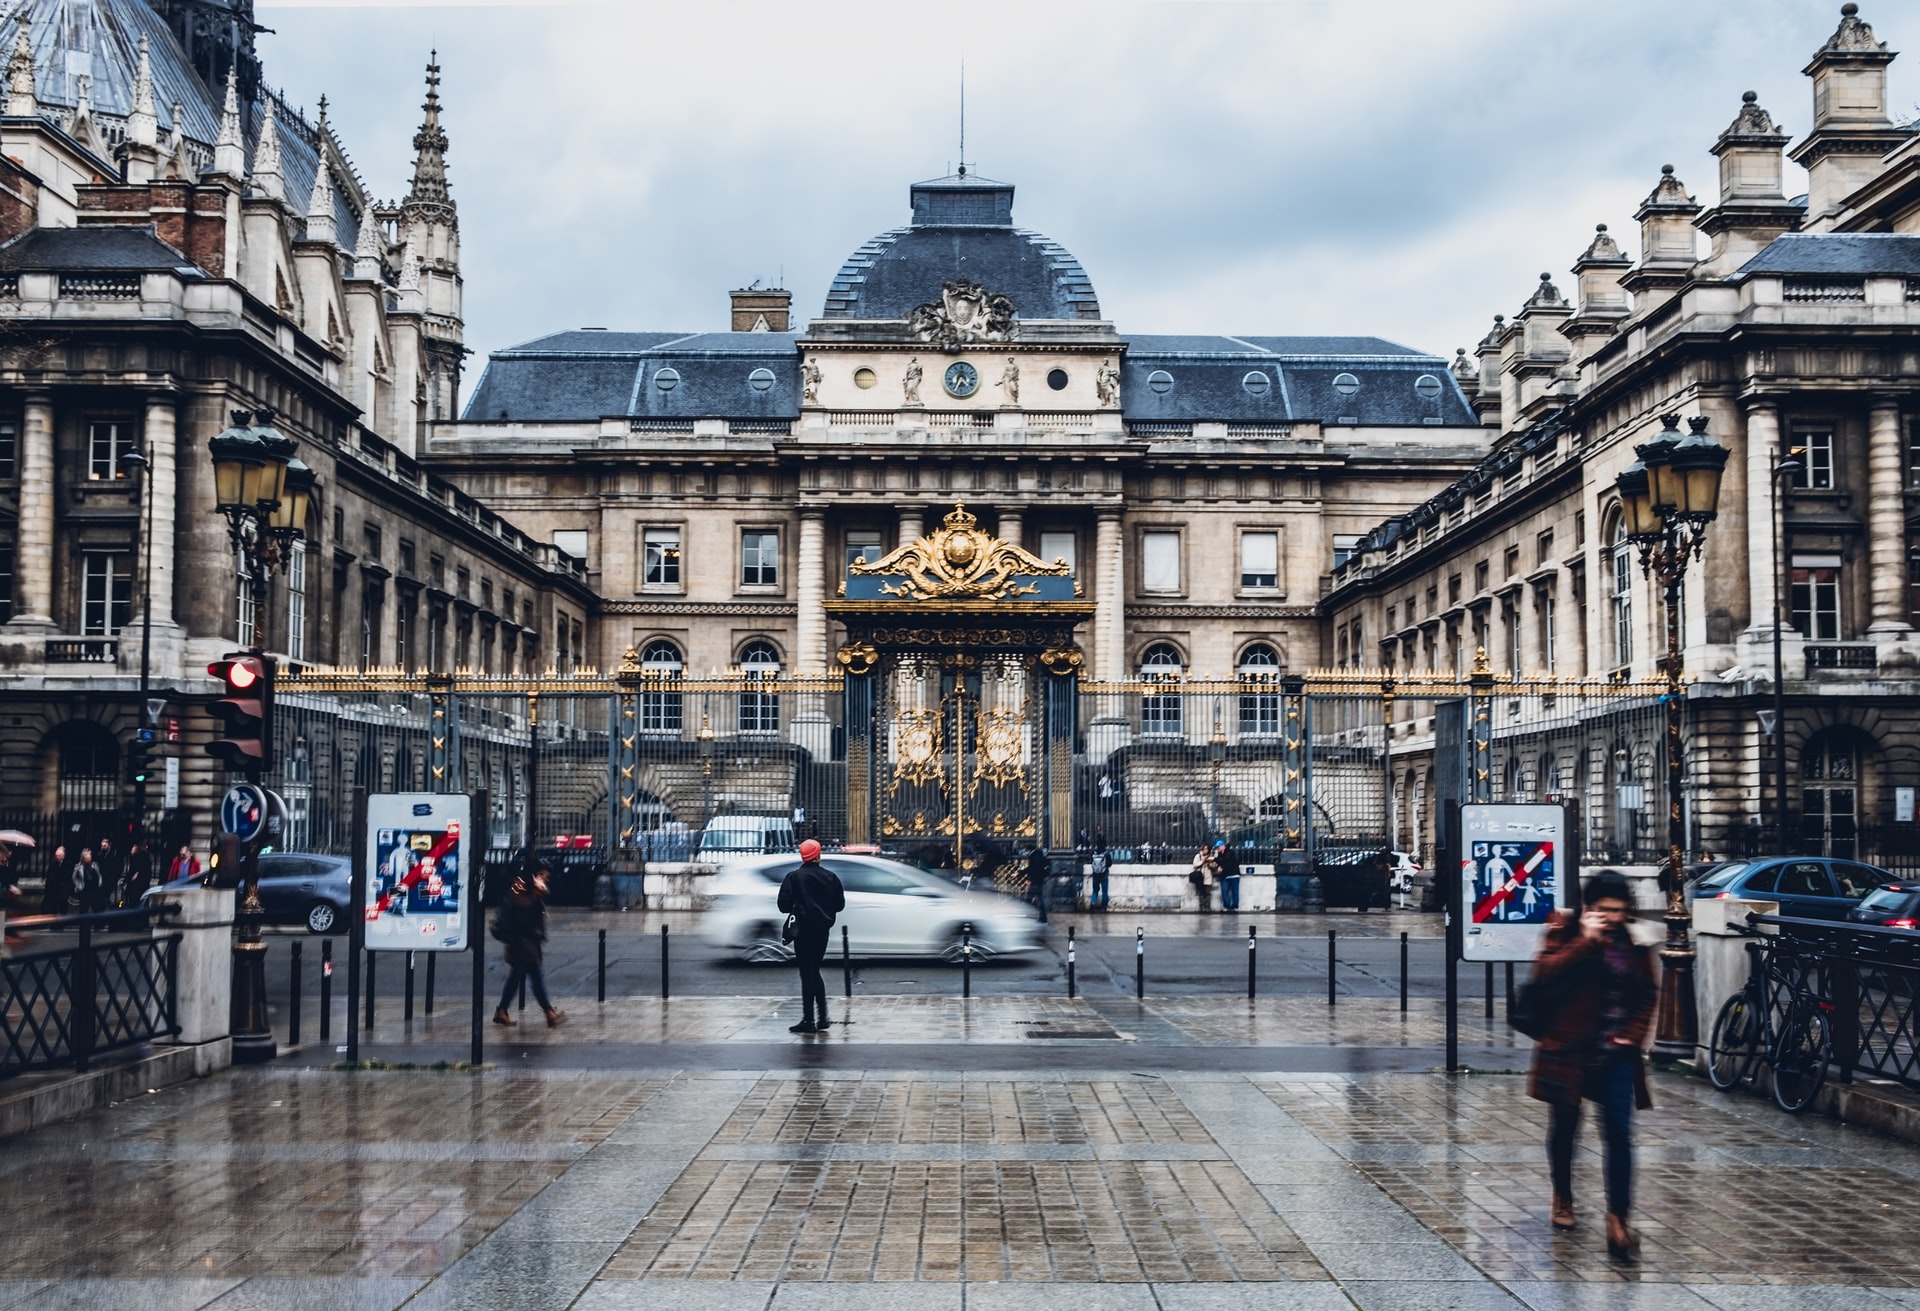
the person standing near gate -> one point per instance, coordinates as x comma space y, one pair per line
1229, 865
1102, 868
1602, 993
812, 895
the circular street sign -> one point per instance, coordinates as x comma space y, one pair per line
243, 812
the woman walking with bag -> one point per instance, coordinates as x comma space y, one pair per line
1600, 991
521, 927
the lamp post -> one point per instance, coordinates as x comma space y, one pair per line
1667, 498
1785, 465
1216, 756
264, 492
142, 469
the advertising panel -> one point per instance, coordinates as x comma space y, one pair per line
417, 871
1511, 878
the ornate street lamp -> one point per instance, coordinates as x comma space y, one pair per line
265, 493
1667, 499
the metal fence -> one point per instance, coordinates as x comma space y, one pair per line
1871, 978
106, 990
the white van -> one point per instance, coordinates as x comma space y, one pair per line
746, 835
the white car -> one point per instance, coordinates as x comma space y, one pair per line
892, 910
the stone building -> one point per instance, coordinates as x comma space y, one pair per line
178, 243
1792, 330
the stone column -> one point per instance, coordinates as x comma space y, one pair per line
1763, 446
1886, 520
910, 527
33, 551
811, 593
1010, 527
162, 485
1110, 606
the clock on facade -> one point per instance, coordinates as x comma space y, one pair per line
961, 379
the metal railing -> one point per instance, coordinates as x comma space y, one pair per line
113, 986
1871, 978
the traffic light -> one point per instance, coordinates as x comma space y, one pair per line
138, 766
246, 712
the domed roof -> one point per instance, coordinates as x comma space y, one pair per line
962, 228
100, 41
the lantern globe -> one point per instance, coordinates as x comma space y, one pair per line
1663, 484
1699, 463
235, 452
1637, 512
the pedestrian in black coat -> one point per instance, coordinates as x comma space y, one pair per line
813, 896
520, 926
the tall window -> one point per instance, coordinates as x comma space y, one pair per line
1260, 710
1816, 459
297, 601
243, 614
659, 708
371, 598
661, 557
1160, 562
1059, 546
9, 450
106, 593
1622, 598
1816, 602
1829, 798
1160, 713
759, 558
1512, 618
6, 581
1549, 631
107, 441
403, 631
760, 711
863, 544
1259, 559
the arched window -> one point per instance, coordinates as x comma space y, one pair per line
1160, 714
659, 708
759, 711
1260, 710
1620, 578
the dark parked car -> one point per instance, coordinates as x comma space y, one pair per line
1807, 887
1896, 906
298, 887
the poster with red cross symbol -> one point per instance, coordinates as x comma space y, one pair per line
1511, 878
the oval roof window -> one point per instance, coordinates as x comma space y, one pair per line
760, 379
1257, 383
666, 379
1160, 381
1428, 386
1345, 383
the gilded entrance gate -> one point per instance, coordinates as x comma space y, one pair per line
961, 682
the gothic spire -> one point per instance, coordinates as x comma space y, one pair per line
230, 151
267, 179
20, 92
81, 127
430, 146
366, 251
320, 220
143, 126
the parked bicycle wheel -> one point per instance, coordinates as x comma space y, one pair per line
1800, 1060
1734, 1045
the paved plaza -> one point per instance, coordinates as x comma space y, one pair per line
1189, 1154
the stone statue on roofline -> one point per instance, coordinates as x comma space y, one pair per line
910, 384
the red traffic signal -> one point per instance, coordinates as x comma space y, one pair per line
245, 712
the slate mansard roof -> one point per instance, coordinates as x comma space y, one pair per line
591, 374
1858, 253
962, 228
80, 250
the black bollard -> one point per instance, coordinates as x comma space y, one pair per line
1489, 990
1331, 962
326, 990
1250, 961
663, 962
293, 997
966, 960
846, 961
407, 1006
1139, 964
367, 1023
432, 957
1070, 979
1403, 970
603, 964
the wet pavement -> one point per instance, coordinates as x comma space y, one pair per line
1185, 1153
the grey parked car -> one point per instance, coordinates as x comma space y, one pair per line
298, 887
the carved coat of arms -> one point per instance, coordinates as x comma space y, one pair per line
959, 562
965, 313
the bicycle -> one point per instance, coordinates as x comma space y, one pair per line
1797, 1047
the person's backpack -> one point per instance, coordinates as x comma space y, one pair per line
1101, 862
1537, 1003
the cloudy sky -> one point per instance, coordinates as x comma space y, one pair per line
1372, 166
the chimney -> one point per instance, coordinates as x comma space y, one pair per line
758, 309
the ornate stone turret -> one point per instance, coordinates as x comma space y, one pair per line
366, 251
230, 151
1851, 130
1753, 208
1604, 303
1668, 249
430, 146
180, 165
140, 152
1486, 401
321, 224
21, 97
266, 178
1537, 362
82, 128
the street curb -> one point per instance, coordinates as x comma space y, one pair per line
1878, 1105
63, 1099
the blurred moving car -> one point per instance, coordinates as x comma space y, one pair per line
296, 887
1807, 887
892, 910
746, 835
1896, 906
